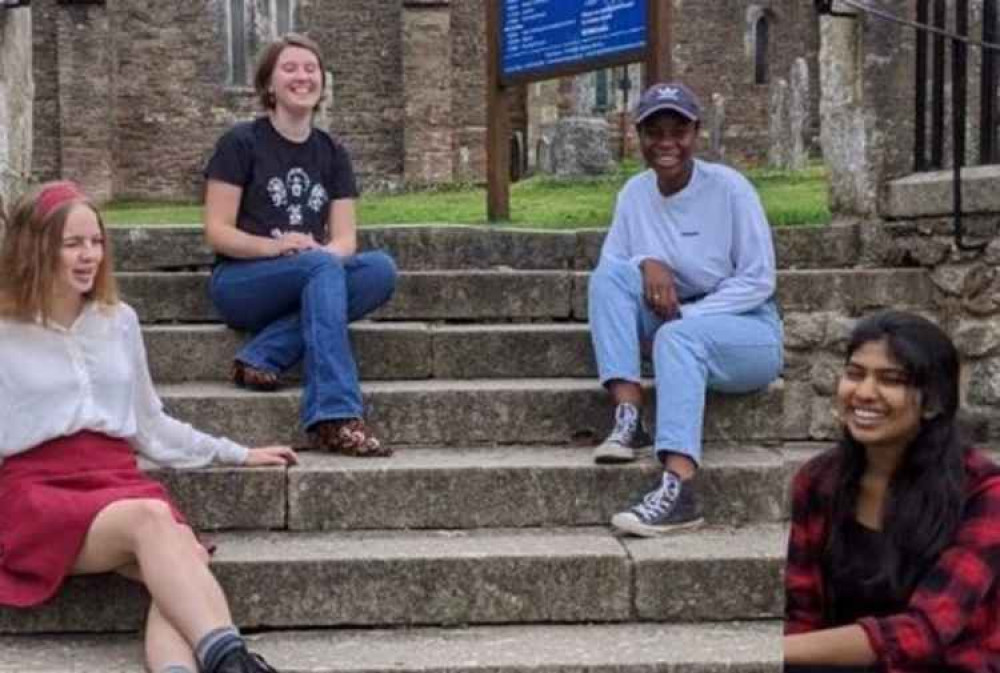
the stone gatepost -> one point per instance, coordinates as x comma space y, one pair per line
428, 131
867, 81
16, 96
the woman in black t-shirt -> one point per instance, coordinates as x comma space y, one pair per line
279, 212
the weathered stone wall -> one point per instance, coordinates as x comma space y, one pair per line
158, 71
408, 86
86, 79
468, 86
714, 53
45, 161
362, 45
16, 95
429, 134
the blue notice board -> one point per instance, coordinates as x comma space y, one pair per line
541, 35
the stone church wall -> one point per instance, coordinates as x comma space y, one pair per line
132, 95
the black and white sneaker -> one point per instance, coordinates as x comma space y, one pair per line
241, 660
671, 506
627, 436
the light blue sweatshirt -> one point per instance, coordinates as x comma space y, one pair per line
713, 234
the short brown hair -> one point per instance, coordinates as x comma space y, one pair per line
269, 59
29, 258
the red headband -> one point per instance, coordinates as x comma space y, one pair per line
56, 194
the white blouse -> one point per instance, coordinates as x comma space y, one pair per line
93, 376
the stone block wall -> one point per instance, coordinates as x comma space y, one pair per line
714, 53
429, 134
468, 86
132, 95
362, 45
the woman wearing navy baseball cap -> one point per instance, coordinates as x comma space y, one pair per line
687, 275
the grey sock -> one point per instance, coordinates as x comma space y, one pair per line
215, 645
176, 668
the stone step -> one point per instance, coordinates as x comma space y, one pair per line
446, 412
393, 351
449, 578
473, 488
463, 247
508, 295
734, 647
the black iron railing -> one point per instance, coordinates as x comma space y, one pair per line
931, 83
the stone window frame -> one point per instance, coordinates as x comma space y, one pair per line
248, 25
603, 96
758, 41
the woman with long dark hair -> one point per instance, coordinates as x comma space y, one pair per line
894, 550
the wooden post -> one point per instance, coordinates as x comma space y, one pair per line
659, 38
498, 123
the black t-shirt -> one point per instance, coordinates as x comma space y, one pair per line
859, 589
287, 186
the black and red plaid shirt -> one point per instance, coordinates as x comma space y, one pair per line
952, 620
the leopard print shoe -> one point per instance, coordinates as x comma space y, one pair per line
347, 436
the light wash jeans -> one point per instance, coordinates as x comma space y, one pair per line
299, 306
733, 353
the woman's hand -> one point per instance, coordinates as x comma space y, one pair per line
292, 242
658, 288
271, 455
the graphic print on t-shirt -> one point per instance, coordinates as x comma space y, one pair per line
295, 192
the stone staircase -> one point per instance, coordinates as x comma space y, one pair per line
482, 545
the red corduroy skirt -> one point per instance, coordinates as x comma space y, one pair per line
49, 497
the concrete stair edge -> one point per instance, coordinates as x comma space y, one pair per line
736, 647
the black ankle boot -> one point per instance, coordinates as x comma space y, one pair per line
241, 660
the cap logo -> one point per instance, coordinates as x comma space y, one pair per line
668, 93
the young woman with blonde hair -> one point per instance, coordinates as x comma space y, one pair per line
78, 403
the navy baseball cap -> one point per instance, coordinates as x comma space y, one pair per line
668, 96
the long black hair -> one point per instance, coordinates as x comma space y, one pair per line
923, 506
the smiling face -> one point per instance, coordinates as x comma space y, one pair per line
877, 401
80, 254
297, 80
668, 141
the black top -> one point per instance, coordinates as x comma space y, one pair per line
858, 589
287, 186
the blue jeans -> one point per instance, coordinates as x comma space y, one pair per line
733, 353
298, 307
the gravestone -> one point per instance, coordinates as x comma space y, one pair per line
778, 127
717, 127
581, 146
798, 115
788, 117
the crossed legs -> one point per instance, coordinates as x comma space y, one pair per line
141, 540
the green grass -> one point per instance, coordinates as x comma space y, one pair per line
540, 202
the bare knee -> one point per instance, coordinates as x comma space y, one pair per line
150, 519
